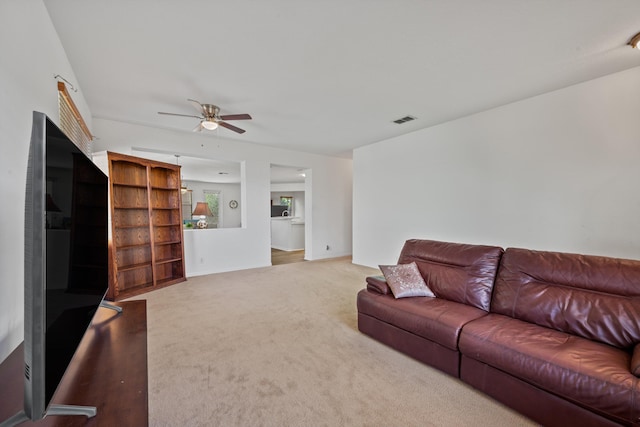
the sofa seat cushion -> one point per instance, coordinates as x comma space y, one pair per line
435, 319
589, 373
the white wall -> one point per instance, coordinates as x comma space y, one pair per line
249, 246
559, 171
30, 55
287, 186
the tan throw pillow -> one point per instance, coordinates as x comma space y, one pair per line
405, 280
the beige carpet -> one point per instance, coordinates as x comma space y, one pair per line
279, 346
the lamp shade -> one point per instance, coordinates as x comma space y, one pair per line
202, 209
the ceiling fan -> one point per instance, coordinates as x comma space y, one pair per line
210, 118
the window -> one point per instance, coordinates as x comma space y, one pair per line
72, 123
214, 200
287, 201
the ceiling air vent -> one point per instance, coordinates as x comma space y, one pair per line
404, 119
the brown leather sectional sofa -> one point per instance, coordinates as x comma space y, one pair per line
552, 335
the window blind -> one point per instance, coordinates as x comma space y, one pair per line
72, 123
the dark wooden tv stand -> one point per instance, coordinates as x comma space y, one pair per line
109, 371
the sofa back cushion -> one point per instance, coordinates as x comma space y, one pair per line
594, 297
454, 271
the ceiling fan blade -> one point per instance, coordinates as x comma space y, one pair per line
231, 127
236, 117
181, 115
196, 104
198, 128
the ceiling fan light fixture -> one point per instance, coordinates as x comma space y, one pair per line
209, 124
209, 118
635, 41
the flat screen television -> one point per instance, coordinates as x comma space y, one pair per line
65, 261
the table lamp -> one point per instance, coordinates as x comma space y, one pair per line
202, 209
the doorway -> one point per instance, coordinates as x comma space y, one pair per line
288, 214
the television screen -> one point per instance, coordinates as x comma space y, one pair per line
66, 257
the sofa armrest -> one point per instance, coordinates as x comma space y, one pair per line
635, 361
378, 284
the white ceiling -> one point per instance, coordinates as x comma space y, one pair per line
194, 168
220, 171
329, 76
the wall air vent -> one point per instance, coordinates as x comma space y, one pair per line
404, 119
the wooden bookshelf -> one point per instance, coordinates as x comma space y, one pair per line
146, 221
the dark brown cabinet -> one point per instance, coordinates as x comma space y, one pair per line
146, 219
